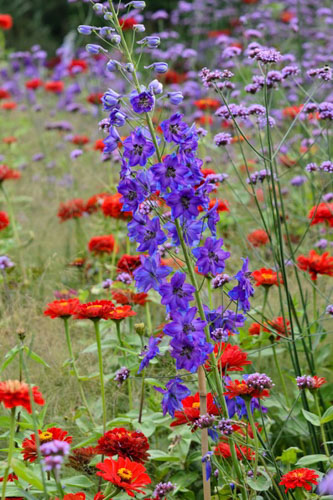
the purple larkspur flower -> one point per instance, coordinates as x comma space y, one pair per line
206, 459
137, 149
174, 393
170, 173
174, 129
210, 257
150, 236
244, 290
150, 352
177, 293
132, 193
143, 102
184, 203
325, 486
192, 231
185, 323
190, 352
151, 273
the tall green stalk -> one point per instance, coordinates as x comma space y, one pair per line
11, 447
101, 373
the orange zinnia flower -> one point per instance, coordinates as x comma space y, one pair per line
4, 220
127, 297
99, 309
207, 104
299, 478
15, 393
230, 358
266, 277
119, 313
112, 207
280, 325
62, 308
7, 173
102, 244
124, 474
316, 264
258, 238
321, 213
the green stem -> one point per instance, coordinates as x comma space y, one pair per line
283, 383
148, 318
58, 483
101, 374
10, 452
119, 333
73, 363
142, 397
255, 436
322, 429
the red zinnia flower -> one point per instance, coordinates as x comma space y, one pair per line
62, 308
254, 329
54, 86
321, 213
125, 474
71, 209
9, 140
316, 264
4, 220
29, 444
102, 244
258, 238
292, 111
34, 83
4, 94
127, 297
207, 104
95, 202
236, 388
99, 309
231, 358
125, 444
81, 457
15, 393
121, 312
99, 145
191, 410
99, 496
299, 478
80, 140
8, 105
280, 326
171, 76
128, 263
6, 21
95, 97
266, 277
112, 207
243, 452
7, 173
74, 496
128, 23
77, 66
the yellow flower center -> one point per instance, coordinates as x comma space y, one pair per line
45, 436
267, 276
125, 474
196, 405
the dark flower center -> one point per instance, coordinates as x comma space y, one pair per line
149, 235
138, 149
188, 328
213, 256
185, 201
187, 351
132, 195
179, 292
171, 172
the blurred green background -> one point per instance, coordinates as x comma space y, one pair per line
47, 22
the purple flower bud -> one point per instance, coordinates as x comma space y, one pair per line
175, 97
155, 87
112, 65
95, 49
84, 29
159, 67
140, 28
122, 375
136, 5
163, 489
5, 262
151, 41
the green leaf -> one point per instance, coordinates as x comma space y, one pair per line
9, 357
35, 357
161, 456
289, 456
78, 482
328, 416
312, 459
311, 417
27, 474
262, 483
